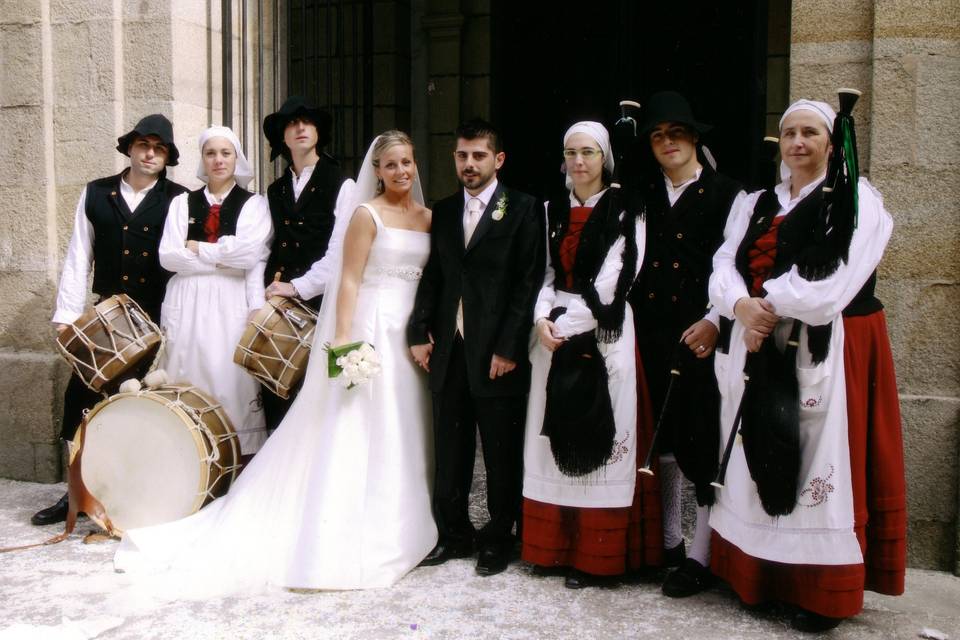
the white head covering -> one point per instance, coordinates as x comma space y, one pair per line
822, 109
599, 134
243, 174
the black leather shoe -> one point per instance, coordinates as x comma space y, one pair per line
52, 515
491, 561
810, 622
548, 572
443, 552
690, 579
674, 556
577, 579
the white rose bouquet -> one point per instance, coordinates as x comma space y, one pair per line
355, 363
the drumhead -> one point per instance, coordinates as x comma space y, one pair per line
143, 460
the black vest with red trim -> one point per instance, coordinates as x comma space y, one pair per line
198, 209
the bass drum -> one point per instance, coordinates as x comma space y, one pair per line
152, 456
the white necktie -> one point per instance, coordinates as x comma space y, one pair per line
470, 221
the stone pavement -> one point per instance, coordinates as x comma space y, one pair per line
52, 592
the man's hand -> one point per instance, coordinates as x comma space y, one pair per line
194, 246
546, 331
284, 289
756, 314
701, 338
421, 355
500, 366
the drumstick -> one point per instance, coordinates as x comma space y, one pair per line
276, 277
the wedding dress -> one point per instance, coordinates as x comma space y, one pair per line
339, 496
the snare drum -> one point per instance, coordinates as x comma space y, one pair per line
108, 341
155, 455
275, 346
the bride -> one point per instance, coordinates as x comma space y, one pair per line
339, 496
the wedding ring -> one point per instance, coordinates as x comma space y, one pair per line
701, 348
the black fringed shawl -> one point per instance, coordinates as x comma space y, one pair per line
599, 233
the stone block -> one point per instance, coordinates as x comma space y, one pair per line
894, 135
20, 65
23, 228
30, 403
849, 20
21, 130
444, 56
476, 44
165, 9
475, 96
191, 74
148, 70
917, 19
930, 545
20, 11
76, 11
83, 62
938, 111
931, 444
444, 104
924, 335
443, 177
85, 139
26, 307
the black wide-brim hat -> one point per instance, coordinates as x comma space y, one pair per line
669, 106
295, 106
156, 124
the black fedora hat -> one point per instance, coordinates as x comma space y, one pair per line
156, 124
295, 106
669, 106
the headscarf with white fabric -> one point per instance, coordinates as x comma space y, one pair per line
242, 173
822, 109
600, 135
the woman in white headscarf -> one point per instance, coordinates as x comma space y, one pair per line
216, 241
339, 496
580, 449
787, 521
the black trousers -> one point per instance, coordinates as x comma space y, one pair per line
456, 416
274, 407
79, 397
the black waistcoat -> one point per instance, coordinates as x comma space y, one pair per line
302, 228
671, 291
795, 234
125, 243
198, 209
598, 234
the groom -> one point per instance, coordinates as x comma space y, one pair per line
470, 328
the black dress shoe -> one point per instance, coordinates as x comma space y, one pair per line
810, 622
52, 515
549, 572
674, 556
444, 551
491, 561
688, 580
577, 579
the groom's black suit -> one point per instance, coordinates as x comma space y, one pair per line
497, 275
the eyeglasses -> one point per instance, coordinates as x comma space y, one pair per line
587, 153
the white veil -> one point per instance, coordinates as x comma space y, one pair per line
364, 190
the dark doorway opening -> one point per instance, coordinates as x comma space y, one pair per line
556, 63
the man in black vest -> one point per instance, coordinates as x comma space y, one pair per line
470, 329
303, 204
117, 229
687, 207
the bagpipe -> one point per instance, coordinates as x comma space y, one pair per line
767, 417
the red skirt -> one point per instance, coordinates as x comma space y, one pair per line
601, 541
879, 495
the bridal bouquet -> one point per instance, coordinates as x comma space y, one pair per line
355, 363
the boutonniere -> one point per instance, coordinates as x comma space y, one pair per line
501, 208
